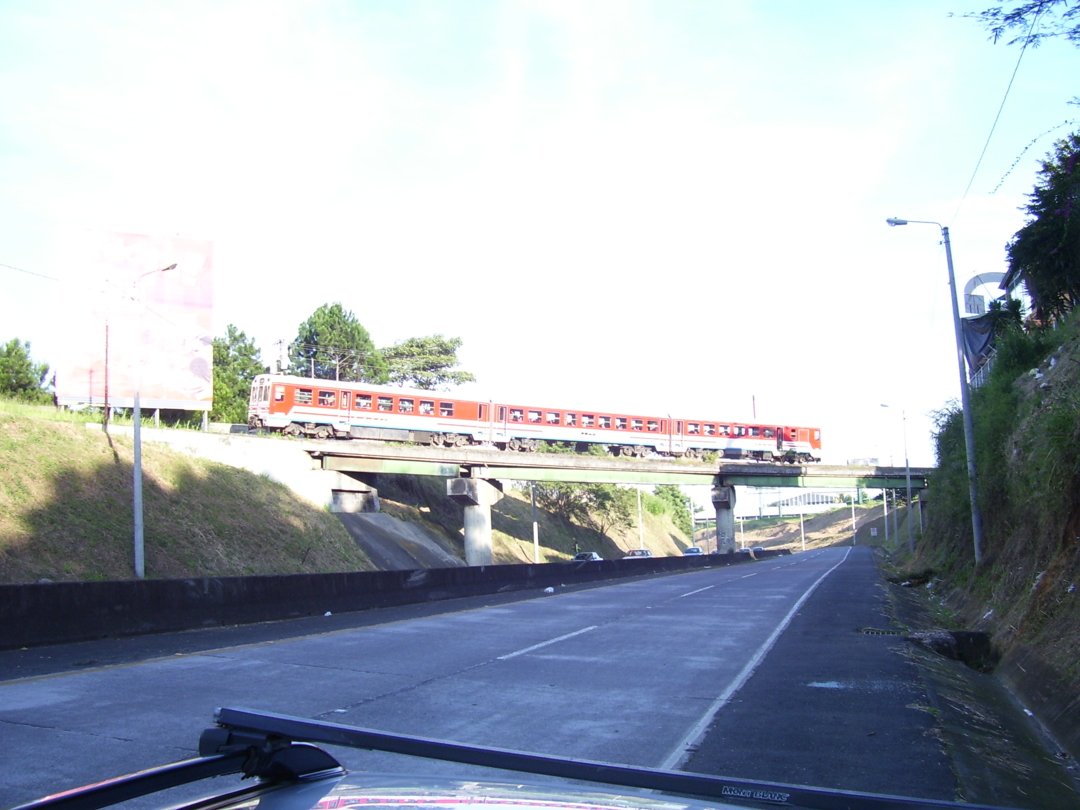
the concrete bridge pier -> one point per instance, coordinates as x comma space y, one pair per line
477, 496
723, 499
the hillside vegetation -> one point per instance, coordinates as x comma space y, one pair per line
66, 510
1026, 592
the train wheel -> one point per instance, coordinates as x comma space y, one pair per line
324, 432
436, 440
514, 444
293, 429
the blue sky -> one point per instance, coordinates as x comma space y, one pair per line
672, 207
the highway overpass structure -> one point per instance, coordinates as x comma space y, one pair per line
475, 475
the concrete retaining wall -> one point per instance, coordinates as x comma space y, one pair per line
58, 612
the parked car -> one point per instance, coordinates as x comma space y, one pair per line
586, 556
638, 554
692, 550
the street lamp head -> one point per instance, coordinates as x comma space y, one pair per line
170, 267
894, 221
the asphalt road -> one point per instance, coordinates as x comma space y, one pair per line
752, 670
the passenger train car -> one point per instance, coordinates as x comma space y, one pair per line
326, 409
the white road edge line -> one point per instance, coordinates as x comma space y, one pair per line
683, 750
516, 653
691, 593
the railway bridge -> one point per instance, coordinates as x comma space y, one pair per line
475, 475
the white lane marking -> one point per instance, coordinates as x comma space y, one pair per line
546, 643
682, 750
691, 593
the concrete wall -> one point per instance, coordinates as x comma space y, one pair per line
58, 612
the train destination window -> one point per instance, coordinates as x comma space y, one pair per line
587, 420
534, 416
571, 419
552, 418
302, 396
386, 403
327, 399
405, 405
654, 425
620, 422
446, 409
427, 406
605, 421
636, 424
363, 402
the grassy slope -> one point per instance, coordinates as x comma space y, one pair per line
66, 511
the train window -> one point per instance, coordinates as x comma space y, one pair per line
427, 406
587, 420
363, 402
279, 393
620, 422
515, 414
605, 422
654, 425
501, 413
482, 415
692, 427
768, 433
755, 431
446, 409
302, 396
739, 430
710, 430
552, 418
571, 419
386, 403
725, 430
327, 399
636, 424
344, 399
534, 416
817, 435
405, 405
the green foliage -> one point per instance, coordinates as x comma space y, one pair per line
332, 345
1046, 251
425, 362
1056, 18
603, 507
678, 504
20, 377
236, 362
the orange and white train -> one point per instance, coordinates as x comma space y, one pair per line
326, 409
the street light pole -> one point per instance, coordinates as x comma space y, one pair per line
907, 478
137, 501
965, 397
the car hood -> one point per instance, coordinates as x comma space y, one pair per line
354, 791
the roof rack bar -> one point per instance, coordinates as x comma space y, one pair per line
286, 727
141, 783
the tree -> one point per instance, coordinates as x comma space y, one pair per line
679, 506
1056, 18
426, 362
332, 345
1045, 253
20, 377
598, 506
236, 362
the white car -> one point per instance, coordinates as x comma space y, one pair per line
638, 554
692, 551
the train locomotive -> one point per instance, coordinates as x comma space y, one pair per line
329, 409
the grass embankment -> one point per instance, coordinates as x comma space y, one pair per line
1026, 591
66, 510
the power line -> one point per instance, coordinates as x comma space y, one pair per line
28, 272
997, 118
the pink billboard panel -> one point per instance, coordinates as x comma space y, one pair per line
150, 329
